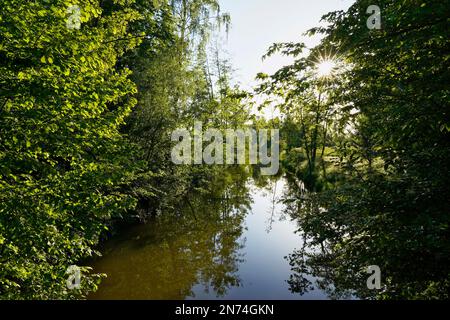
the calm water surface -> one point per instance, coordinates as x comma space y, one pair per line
228, 248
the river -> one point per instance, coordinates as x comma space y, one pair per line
234, 247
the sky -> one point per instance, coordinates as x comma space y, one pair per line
257, 24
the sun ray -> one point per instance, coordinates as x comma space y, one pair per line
325, 68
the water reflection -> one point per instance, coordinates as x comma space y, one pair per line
341, 239
229, 241
256, 238
198, 243
313, 264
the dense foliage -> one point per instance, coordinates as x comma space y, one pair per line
87, 109
73, 155
383, 116
62, 157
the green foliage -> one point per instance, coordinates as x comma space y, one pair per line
63, 163
181, 78
74, 155
391, 145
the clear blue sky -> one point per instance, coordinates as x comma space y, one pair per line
257, 24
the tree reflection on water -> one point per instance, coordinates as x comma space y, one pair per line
197, 243
341, 241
